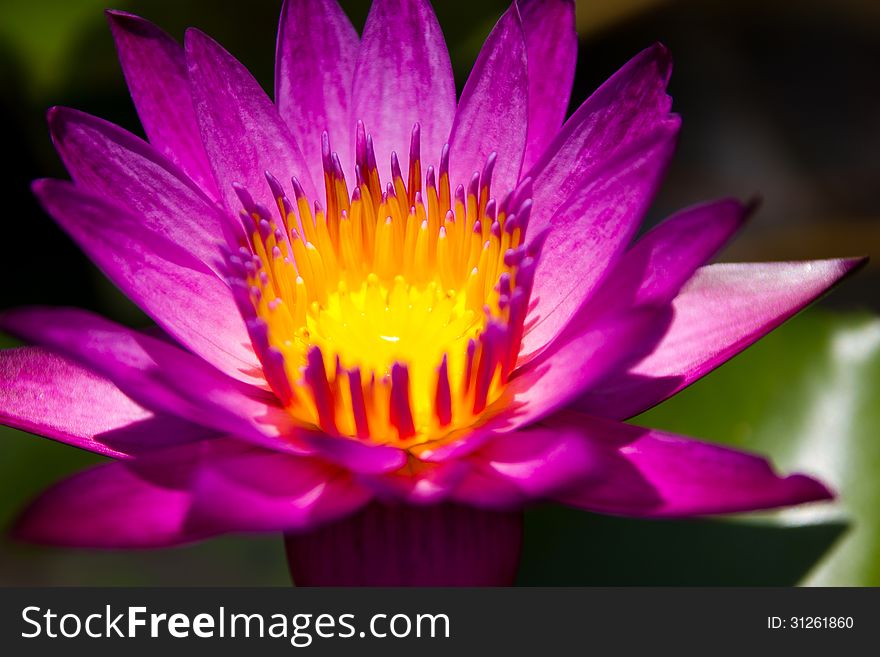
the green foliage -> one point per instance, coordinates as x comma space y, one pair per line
807, 396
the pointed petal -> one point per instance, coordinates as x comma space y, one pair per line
551, 44
581, 357
113, 164
660, 263
403, 77
648, 473
243, 134
152, 372
526, 465
314, 68
116, 505
257, 490
51, 396
631, 104
155, 71
493, 115
590, 232
721, 311
170, 284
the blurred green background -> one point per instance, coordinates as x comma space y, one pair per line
779, 98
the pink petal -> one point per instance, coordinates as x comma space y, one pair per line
419, 483
152, 372
243, 134
551, 44
403, 77
590, 232
170, 284
631, 104
256, 490
155, 70
110, 163
581, 357
648, 473
493, 114
314, 67
721, 311
51, 396
122, 505
525, 465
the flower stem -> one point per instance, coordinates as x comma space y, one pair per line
399, 545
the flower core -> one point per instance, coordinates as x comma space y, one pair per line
394, 314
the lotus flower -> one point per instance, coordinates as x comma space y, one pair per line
388, 318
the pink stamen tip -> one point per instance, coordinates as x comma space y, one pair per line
395, 167
443, 397
316, 379
401, 411
244, 196
358, 405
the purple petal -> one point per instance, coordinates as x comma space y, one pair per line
522, 466
403, 77
241, 129
51, 396
493, 114
116, 505
152, 372
419, 483
590, 232
256, 490
648, 473
631, 104
654, 270
551, 44
581, 357
170, 284
108, 162
314, 67
721, 311
155, 70
354, 455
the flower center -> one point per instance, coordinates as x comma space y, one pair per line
396, 314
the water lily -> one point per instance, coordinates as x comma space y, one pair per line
388, 318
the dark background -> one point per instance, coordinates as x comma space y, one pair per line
780, 98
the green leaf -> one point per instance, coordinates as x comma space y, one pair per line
807, 396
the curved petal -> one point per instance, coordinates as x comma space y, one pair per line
314, 67
648, 473
527, 465
551, 45
155, 71
116, 505
493, 114
243, 134
721, 311
150, 371
654, 270
403, 77
168, 282
590, 232
629, 105
419, 483
256, 490
113, 164
582, 356
51, 396
163, 377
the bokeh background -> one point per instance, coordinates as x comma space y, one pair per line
780, 98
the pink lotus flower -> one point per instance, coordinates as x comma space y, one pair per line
389, 369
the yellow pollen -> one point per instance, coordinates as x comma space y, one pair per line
405, 292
